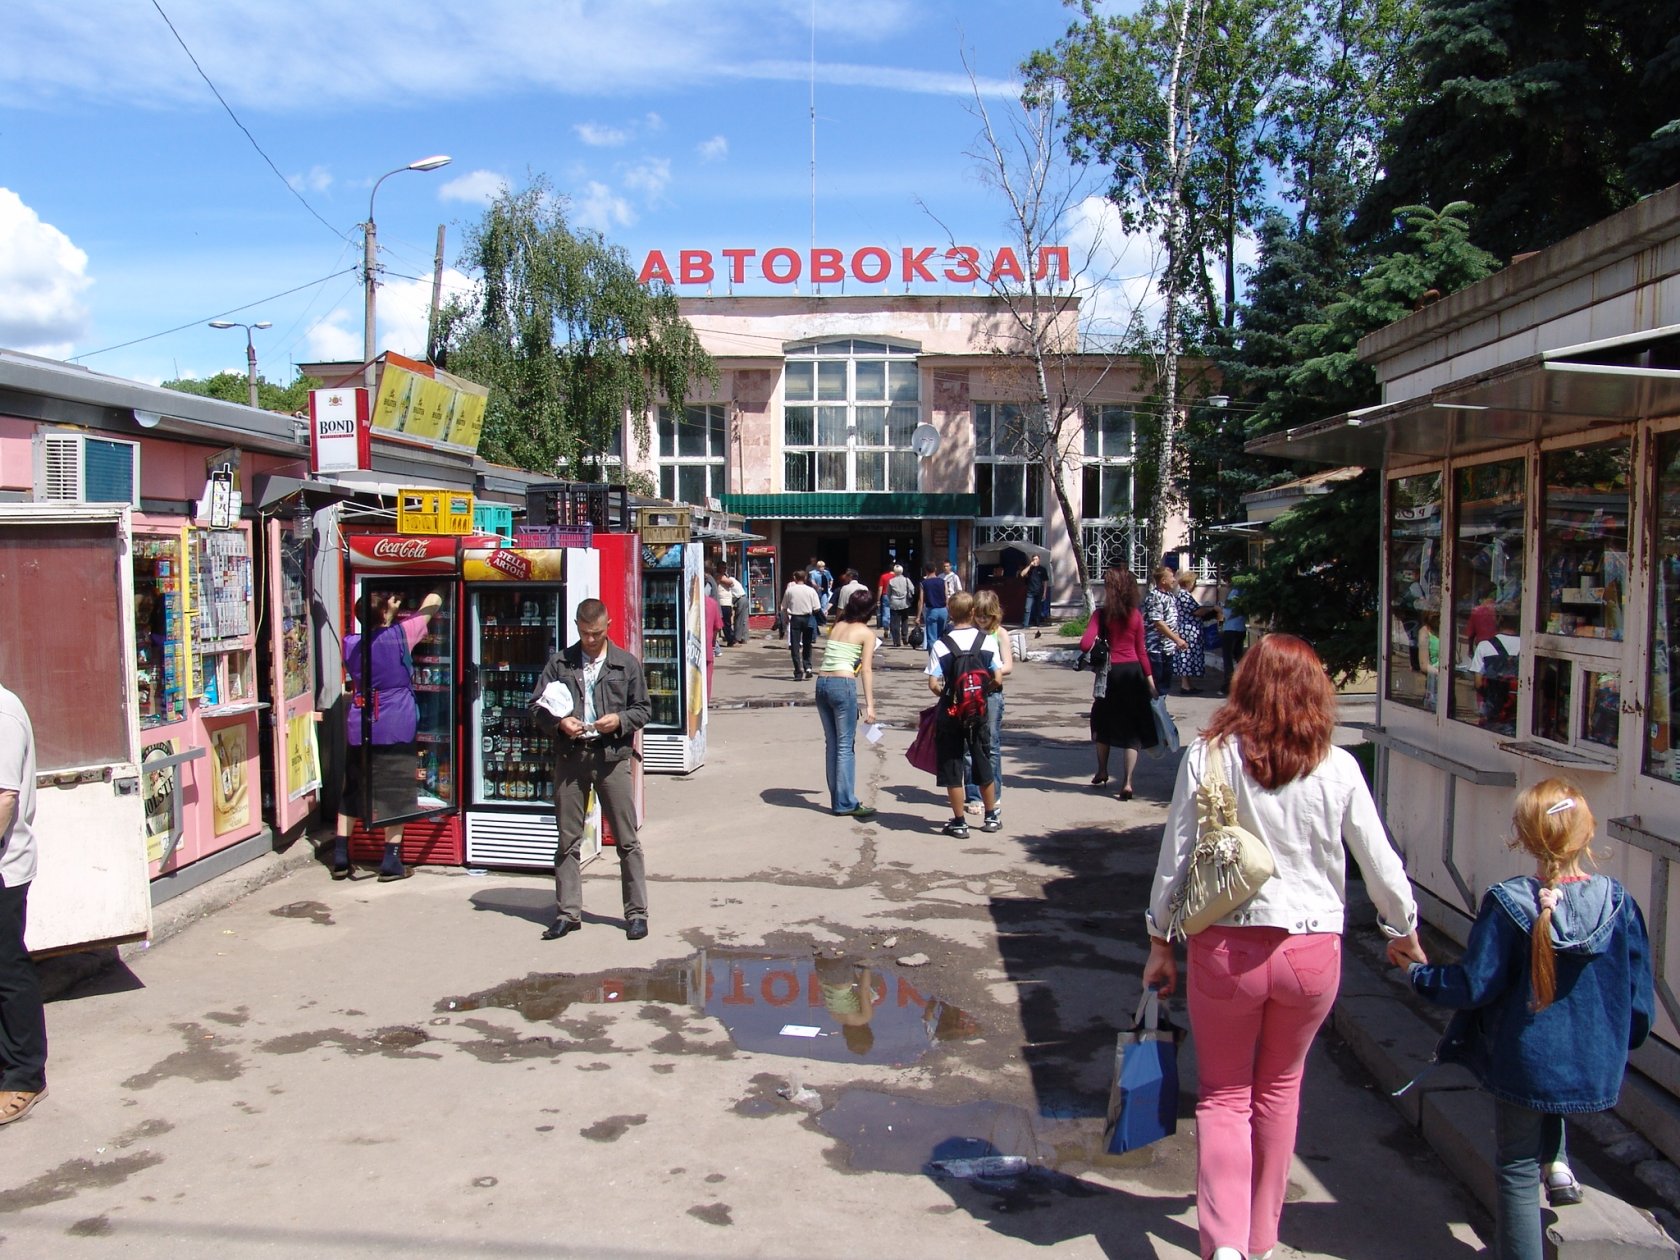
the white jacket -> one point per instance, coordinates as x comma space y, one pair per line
1304, 823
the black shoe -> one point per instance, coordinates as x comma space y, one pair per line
636, 929
561, 926
390, 877
342, 872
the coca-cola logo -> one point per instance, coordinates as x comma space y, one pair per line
401, 549
511, 563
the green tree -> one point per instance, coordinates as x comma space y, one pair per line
1548, 115
1319, 576
235, 387
566, 339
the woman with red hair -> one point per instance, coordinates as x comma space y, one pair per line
1263, 978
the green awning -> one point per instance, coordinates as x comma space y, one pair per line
843, 506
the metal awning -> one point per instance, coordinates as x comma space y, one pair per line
271, 488
1614, 381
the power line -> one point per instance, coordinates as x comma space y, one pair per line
242, 126
232, 310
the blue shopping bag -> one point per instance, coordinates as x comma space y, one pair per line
1143, 1100
1166, 730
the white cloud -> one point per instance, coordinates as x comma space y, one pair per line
713, 150
316, 179
476, 187
317, 55
649, 177
42, 278
404, 314
600, 136
600, 209
653, 122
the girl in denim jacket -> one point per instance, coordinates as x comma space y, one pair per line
1553, 990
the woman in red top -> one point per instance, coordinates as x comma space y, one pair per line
1121, 715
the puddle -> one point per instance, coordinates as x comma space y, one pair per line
762, 704
314, 911
834, 1009
884, 1133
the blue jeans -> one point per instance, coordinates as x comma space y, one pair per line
994, 734
837, 706
1525, 1140
935, 622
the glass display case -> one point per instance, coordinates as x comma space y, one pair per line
1662, 724
1584, 541
512, 632
160, 629
1488, 557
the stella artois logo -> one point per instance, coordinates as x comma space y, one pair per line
511, 563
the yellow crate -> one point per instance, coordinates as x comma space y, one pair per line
434, 512
664, 524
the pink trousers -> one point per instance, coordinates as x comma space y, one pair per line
1257, 998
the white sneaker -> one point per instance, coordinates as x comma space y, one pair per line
1227, 1253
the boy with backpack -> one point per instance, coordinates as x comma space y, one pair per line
964, 667
1495, 663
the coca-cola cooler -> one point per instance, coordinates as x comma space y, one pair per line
521, 606
416, 566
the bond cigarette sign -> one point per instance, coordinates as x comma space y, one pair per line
338, 430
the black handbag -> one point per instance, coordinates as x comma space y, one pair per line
1097, 657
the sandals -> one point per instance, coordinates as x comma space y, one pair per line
15, 1104
1098, 780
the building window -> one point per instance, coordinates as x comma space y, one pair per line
1111, 545
1662, 727
1414, 591
849, 409
1008, 477
1107, 487
1488, 549
692, 465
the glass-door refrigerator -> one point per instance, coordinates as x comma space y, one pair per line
674, 657
521, 604
413, 567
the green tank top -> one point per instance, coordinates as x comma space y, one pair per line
840, 657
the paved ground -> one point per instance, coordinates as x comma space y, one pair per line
322, 1068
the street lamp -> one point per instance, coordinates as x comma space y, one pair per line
250, 349
369, 248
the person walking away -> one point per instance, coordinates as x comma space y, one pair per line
598, 702
851, 583
934, 619
883, 610
1233, 636
1553, 991
901, 593
388, 694
715, 624
1037, 610
823, 580
23, 1020
1193, 617
848, 659
1264, 977
1160, 627
963, 661
729, 591
953, 583
1494, 664
988, 616
1120, 717
800, 608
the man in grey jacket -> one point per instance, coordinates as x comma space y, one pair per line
600, 703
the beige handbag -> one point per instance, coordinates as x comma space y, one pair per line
1229, 863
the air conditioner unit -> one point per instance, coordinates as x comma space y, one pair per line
81, 468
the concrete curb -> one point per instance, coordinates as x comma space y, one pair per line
1395, 1044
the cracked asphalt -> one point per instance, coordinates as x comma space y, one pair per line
831, 1021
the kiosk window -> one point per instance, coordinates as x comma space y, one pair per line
1414, 589
1487, 593
1584, 541
1662, 727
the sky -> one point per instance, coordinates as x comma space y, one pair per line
132, 204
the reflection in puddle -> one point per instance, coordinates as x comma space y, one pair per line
834, 1009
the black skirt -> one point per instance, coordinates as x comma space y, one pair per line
1121, 719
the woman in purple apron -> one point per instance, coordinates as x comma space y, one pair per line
386, 696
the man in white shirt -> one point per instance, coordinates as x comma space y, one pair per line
961, 743
728, 592
953, 583
852, 584
23, 1023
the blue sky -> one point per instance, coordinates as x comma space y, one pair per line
131, 203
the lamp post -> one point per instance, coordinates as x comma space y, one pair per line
250, 349
369, 250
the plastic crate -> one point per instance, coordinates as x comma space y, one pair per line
605, 507
493, 518
664, 524
555, 536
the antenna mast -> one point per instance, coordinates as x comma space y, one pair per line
814, 287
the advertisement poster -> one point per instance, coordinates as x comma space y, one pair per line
423, 402
230, 793
303, 756
157, 788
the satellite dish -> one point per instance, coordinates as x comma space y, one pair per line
925, 440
